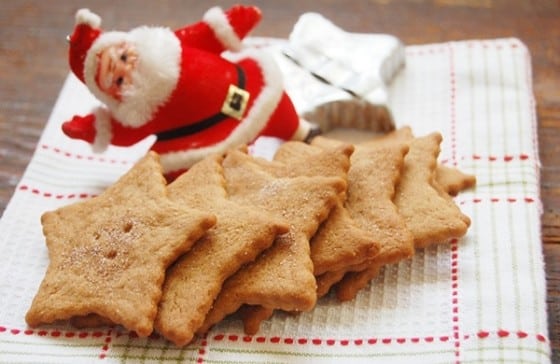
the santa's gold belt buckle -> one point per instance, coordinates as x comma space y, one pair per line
236, 102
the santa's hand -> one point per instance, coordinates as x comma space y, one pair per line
80, 127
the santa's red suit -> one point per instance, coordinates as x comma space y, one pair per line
195, 101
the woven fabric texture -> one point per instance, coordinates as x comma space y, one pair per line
480, 299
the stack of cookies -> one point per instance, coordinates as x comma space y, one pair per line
245, 235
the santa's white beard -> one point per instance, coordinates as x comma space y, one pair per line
154, 77
153, 80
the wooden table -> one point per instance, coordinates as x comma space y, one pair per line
33, 67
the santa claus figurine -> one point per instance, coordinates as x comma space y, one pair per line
178, 86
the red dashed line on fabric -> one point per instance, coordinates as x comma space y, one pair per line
411, 51
502, 334
454, 249
53, 333
507, 158
64, 334
452, 104
56, 196
202, 351
455, 299
476, 157
85, 157
481, 335
105, 348
477, 200
494, 158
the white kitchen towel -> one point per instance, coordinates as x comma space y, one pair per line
479, 299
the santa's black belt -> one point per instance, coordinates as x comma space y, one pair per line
234, 106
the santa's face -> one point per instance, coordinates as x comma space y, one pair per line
116, 64
133, 73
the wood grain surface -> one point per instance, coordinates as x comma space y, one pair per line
33, 67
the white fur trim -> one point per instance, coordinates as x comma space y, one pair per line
220, 25
102, 129
158, 70
262, 109
85, 16
302, 131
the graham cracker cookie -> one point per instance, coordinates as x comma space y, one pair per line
108, 255
353, 282
253, 316
320, 158
377, 165
339, 242
89, 321
429, 212
328, 279
374, 173
282, 276
452, 180
239, 236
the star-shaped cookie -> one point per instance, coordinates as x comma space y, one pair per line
282, 277
108, 255
338, 242
430, 213
375, 171
376, 168
453, 180
239, 236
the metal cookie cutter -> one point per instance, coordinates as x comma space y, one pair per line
338, 79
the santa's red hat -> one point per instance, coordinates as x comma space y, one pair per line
85, 33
